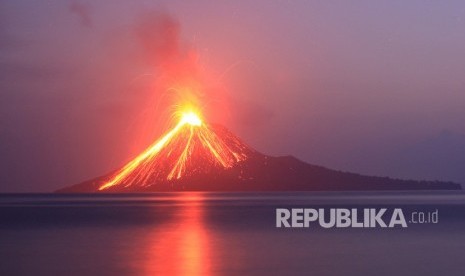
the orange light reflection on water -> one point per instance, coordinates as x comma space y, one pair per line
182, 247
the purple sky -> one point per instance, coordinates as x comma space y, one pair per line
374, 87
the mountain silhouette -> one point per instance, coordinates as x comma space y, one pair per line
196, 156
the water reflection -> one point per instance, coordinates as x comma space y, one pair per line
180, 246
219, 233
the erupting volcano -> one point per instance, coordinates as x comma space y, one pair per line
190, 148
194, 155
197, 156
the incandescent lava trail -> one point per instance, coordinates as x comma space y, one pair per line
191, 147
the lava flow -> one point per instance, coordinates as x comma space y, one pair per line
191, 147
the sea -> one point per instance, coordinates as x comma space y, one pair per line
211, 233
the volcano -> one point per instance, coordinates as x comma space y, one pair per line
196, 156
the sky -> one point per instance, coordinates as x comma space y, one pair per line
372, 87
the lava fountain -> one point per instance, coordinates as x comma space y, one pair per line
190, 147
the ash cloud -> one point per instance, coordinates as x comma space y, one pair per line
179, 75
83, 12
159, 34
177, 62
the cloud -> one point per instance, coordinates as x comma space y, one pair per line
178, 65
158, 32
83, 11
177, 61
179, 75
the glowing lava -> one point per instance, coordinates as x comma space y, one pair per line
191, 118
191, 147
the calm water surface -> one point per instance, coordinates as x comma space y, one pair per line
195, 233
